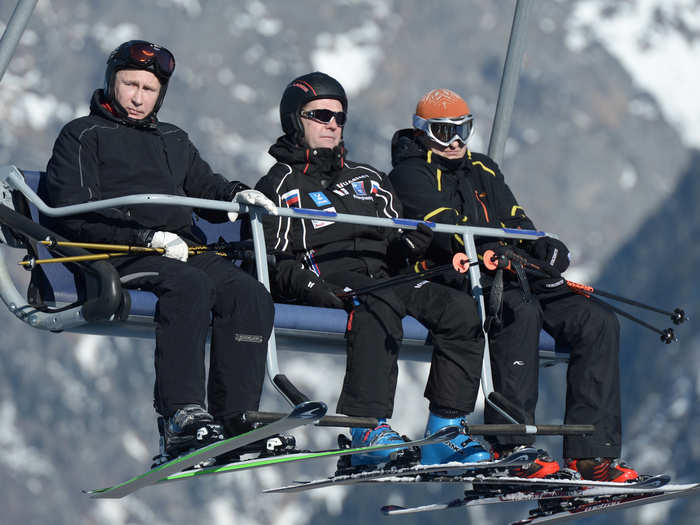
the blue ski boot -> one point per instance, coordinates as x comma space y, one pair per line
462, 448
382, 434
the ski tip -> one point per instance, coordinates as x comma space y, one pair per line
655, 481
388, 510
309, 410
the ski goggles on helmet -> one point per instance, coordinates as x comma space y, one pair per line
324, 116
145, 55
444, 131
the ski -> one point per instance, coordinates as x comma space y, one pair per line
483, 492
409, 474
578, 508
553, 483
444, 434
300, 415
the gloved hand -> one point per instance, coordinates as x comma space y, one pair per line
549, 285
318, 293
417, 241
504, 254
254, 198
552, 252
174, 246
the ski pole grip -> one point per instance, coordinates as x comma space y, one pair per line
289, 390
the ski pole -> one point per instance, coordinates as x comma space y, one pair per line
460, 264
678, 315
30, 263
667, 335
239, 250
50, 243
492, 261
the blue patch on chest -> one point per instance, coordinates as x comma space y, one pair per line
319, 198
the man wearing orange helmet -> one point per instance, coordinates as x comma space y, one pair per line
439, 179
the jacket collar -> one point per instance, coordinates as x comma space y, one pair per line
99, 105
318, 161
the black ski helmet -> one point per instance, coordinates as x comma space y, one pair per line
303, 90
139, 54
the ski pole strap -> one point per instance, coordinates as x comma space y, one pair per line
522, 279
493, 315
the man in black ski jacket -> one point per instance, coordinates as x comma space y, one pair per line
439, 179
318, 257
122, 149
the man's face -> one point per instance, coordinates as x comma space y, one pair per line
319, 134
137, 91
456, 149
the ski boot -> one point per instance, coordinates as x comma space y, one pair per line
462, 448
543, 467
382, 434
190, 427
602, 469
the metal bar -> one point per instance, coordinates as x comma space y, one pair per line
477, 293
14, 179
481, 430
13, 32
263, 276
509, 81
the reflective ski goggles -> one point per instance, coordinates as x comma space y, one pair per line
445, 131
324, 116
145, 54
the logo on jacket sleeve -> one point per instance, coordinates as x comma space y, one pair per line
291, 198
319, 198
375, 187
359, 188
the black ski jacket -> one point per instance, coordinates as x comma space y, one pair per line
101, 156
322, 179
470, 191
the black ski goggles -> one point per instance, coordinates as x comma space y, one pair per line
145, 55
445, 131
324, 116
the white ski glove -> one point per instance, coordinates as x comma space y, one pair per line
254, 198
174, 246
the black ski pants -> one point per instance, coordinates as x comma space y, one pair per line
592, 332
374, 335
207, 289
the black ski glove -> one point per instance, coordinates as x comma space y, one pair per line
408, 247
318, 293
550, 285
417, 241
551, 251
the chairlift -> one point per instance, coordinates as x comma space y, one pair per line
88, 298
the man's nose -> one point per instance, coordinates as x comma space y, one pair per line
138, 97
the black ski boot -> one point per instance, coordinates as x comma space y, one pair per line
190, 427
